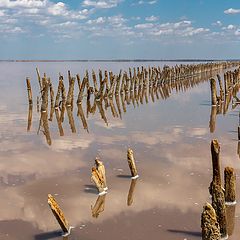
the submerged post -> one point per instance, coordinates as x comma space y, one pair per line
209, 224
230, 186
58, 213
98, 180
131, 163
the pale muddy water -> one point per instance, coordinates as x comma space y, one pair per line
171, 141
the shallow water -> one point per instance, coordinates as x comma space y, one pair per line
171, 141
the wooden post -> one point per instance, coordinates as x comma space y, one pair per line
101, 169
98, 180
58, 91
213, 91
29, 89
70, 92
215, 151
71, 119
58, 213
98, 206
212, 121
218, 203
44, 105
131, 163
81, 91
131, 192
230, 186
221, 87
238, 133
39, 81
60, 128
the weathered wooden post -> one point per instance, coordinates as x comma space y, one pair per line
98, 180
131, 163
218, 203
209, 224
213, 91
221, 87
131, 192
230, 186
58, 214
59, 122
215, 151
44, 105
39, 80
29, 90
212, 122
70, 92
99, 206
101, 169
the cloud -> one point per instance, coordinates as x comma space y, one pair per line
232, 11
217, 23
144, 25
101, 3
151, 18
23, 3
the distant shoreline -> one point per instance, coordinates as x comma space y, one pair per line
127, 60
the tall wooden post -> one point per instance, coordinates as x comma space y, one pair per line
131, 163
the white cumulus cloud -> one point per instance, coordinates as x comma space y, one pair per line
232, 11
101, 3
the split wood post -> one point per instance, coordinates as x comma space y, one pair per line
131, 192
218, 203
98, 206
29, 90
94, 81
213, 91
78, 81
58, 213
71, 119
98, 180
101, 169
131, 163
81, 91
230, 185
225, 85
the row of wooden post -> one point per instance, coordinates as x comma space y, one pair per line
99, 179
216, 217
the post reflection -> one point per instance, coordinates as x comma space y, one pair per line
99, 206
131, 192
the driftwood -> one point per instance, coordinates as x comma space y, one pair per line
58, 213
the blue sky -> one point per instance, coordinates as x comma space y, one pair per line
117, 29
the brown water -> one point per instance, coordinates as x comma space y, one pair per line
171, 142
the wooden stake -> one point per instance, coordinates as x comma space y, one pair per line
29, 117
101, 169
29, 89
213, 91
230, 185
58, 213
218, 203
131, 163
212, 122
215, 151
98, 180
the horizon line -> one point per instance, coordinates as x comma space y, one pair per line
119, 60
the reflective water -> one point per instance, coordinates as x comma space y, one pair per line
171, 141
